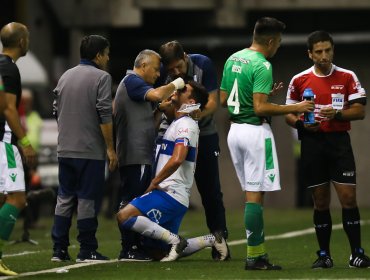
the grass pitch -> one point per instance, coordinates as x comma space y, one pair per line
295, 252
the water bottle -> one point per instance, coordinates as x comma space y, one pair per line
309, 117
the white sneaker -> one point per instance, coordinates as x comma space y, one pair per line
221, 246
176, 250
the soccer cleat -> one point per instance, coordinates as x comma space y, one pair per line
323, 261
359, 259
176, 250
90, 256
60, 256
4, 270
133, 255
221, 247
261, 263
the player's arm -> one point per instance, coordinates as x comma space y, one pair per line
12, 118
164, 92
264, 108
212, 104
223, 98
178, 157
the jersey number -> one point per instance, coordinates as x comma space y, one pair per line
233, 99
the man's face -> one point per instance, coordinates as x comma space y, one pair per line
25, 43
177, 68
322, 54
151, 69
182, 96
274, 45
103, 59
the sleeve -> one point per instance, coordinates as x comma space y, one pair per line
293, 95
104, 99
262, 78
187, 132
209, 75
11, 82
357, 93
137, 88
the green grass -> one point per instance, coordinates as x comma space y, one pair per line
294, 254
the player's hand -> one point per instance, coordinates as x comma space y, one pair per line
29, 156
305, 106
276, 88
327, 112
112, 159
178, 83
195, 115
151, 187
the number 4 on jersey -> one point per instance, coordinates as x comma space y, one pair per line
233, 99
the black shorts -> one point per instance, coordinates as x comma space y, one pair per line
327, 157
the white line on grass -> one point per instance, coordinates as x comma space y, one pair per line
232, 243
292, 234
54, 270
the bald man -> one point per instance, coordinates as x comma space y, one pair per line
15, 39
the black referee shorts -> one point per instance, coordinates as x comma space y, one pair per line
327, 157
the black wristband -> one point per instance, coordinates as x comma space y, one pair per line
159, 109
338, 115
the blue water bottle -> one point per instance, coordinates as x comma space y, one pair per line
309, 117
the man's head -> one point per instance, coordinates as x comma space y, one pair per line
15, 37
267, 33
174, 59
192, 93
321, 49
147, 65
96, 49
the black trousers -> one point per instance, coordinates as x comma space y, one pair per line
208, 182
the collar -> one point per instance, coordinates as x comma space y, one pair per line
89, 62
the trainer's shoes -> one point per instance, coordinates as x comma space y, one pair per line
359, 259
220, 249
261, 263
323, 261
4, 270
60, 255
176, 250
90, 256
133, 255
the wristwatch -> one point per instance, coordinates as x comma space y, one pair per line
338, 115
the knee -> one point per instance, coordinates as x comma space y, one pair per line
122, 216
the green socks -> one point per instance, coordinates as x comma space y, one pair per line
8, 217
253, 219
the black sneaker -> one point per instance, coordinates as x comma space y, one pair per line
359, 259
323, 261
220, 250
90, 256
176, 250
261, 263
133, 255
60, 255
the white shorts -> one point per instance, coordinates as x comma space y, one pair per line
11, 169
253, 152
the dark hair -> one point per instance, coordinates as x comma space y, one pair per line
171, 51
266, 27
318, 36
199, 93
91, 45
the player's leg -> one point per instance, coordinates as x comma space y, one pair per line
135, 179
159, 208
12, 183
66, 203
316, 177
89, 195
